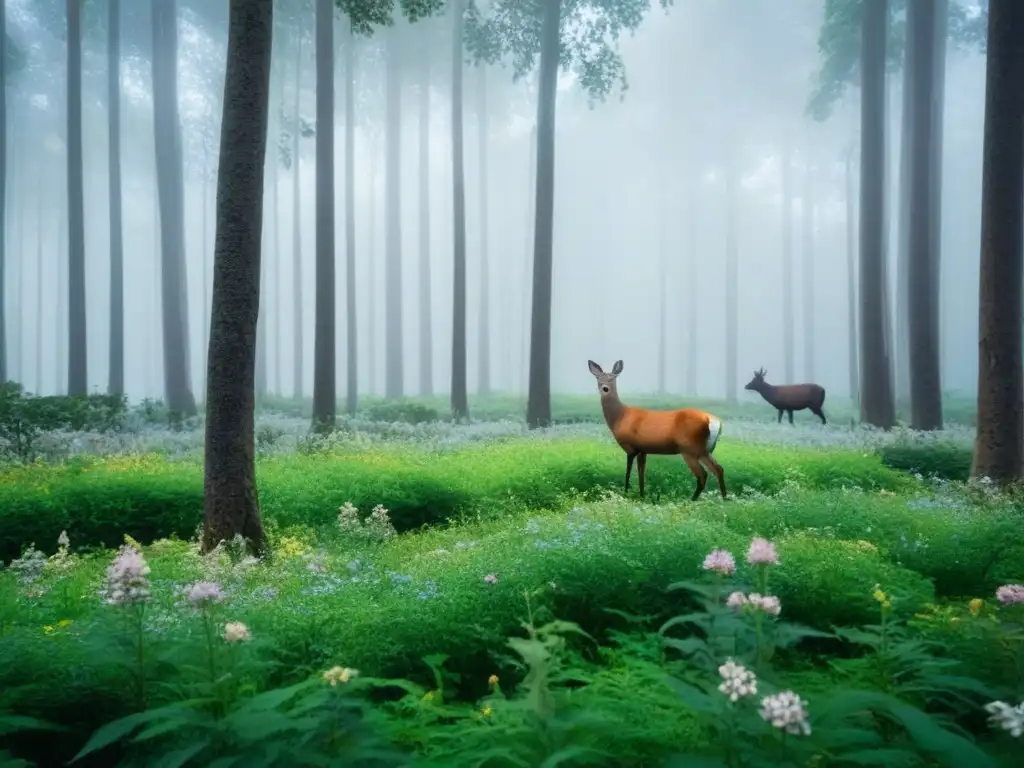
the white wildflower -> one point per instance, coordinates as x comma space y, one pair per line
737, 681
786, 711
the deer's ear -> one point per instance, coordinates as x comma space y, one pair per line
617, 368
594, 368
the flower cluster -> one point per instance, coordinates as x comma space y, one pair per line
879, 595
1002, 715
1010, 594
767, 603
29, 566
786, 711
127, 580
203, 593
236, 632
737, 681
62, 560
762, 552
376, 527
721, 562
336, 675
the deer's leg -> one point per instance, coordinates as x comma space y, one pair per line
641, 470
716, 468
790, 416
780, 415
629, 468
820, 414
698, 472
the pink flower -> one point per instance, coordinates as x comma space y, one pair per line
127, 581
762, 552
1010, 594
490, 578
204, 592
736, 600
720, 561
767, 603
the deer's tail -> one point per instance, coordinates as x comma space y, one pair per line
714, 432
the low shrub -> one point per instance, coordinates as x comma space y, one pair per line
406, 411
148, 497
932, 458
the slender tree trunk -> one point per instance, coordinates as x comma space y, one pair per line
116, 375
393, 374
530, 227
3, 193
297, 337
157, 338
484, 329
16, 177
39, 284
459, 393
351, 313
205, 244
807, 220
324, 374
999, 445
851, 281
371, 290
731, 277
936, 164
788, 324
692, 278
426, 312
170, 183
876, 394
78, 375
231, 502
901, 364
923, 245
538, 408
60, 386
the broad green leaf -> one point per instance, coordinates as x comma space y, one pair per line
117, 730
181, 756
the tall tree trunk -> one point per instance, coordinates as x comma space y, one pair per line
78, 375
923, 245
807, 221
324, 374
170, 183
393, 373
156, 342
60, 386
484, 328
692, 279
538, 407
901, 364
788, 324
426, 312
39, 284
371, 290
231, 503
530, 227
731, 278
116, 375
876, 405
999, 445
3, 193
351, 314
205, 244
19, 286
260, 381
851, 282
936, 164
459, 393
297, 337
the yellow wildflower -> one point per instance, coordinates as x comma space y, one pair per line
881, 597
429, 695
48, 629
336, 675
486, 711
492, 680
975, 606
291, 547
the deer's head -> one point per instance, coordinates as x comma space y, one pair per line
758, 381
606, 381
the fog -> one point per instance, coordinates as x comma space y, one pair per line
637, 181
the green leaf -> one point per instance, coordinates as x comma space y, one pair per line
693, 697
179, 757
15, 723
117, 730
697, 619
954, 750
694, 761
888, 757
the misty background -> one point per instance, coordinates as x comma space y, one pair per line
641, 220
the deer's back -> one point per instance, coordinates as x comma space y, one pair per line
663, 432
796, 395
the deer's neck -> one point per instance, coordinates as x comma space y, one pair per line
768, 392
613, 410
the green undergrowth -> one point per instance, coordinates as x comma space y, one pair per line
98, 500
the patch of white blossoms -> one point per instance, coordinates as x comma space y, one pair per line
1002, 715
737, 681
787, 712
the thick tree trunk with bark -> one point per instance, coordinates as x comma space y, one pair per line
876, 405
922, 242
393, 368
351, 314
426, 312
732, 320
78, 376
484, 326
231, 503
807, 222
999, 445
324, 374
851, 282
170, 184
115, 385
538, 407
788, 324
459, 393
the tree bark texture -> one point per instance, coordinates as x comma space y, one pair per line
115, 383
298, 352
78, 374
876, 405
231, 502
851, 282
170, 188
426, 313
351, 314
324, 374
459, 393
999, 445
538, 407
393, 370
484, 328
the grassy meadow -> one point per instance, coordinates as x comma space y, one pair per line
482, 595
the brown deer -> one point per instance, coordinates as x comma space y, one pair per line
691, 433
789, 397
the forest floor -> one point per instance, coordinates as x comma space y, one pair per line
479, 594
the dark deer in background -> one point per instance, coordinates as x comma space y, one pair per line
789, 397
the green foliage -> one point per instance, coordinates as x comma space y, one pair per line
365, 15
24, 417
405, 411
590, 30
947, 461
149, 497
839, 45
